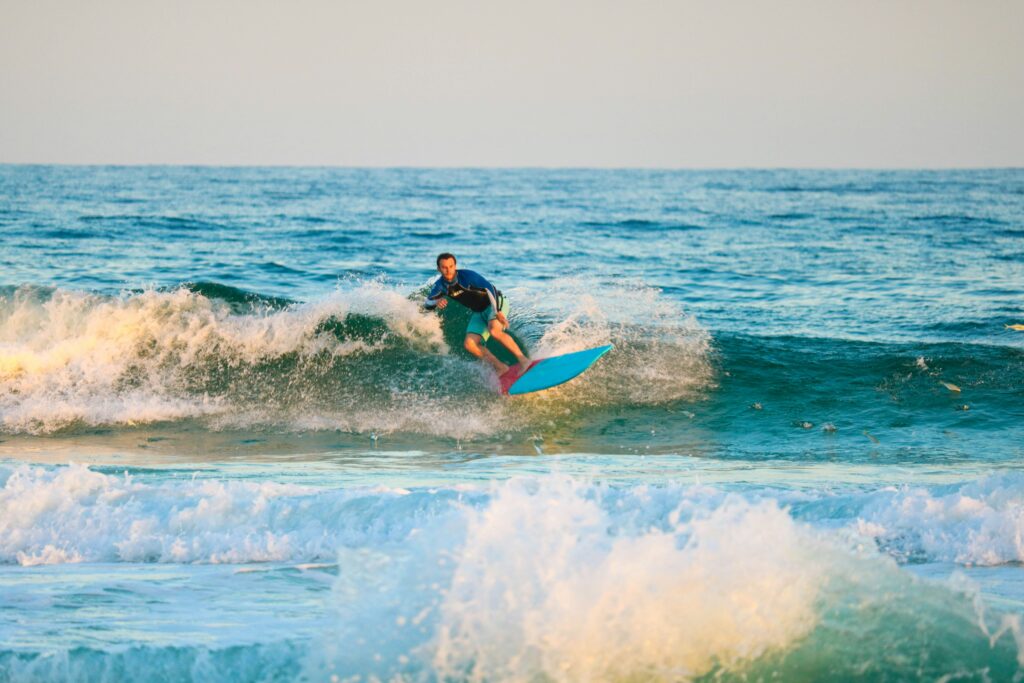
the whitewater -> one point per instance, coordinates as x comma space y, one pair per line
234, 446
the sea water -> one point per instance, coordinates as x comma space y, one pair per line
233, 446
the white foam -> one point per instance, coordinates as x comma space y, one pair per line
422, 414
75, 514
73, 357
541, 588
662, 354
979, 522
531, 578
552, 579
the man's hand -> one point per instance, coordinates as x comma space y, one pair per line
441, 304
500, 317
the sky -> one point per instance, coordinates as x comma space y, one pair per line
640, 83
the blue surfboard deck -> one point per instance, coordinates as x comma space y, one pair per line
550, 372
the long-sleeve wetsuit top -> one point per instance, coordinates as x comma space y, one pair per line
469, 288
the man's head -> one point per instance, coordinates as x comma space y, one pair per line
446, 266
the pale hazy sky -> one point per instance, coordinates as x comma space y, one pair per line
523, 83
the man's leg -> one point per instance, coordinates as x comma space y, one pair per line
475, 345
498, 332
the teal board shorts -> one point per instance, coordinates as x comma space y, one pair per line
478, 321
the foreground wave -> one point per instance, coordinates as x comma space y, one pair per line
532, 577
53, 515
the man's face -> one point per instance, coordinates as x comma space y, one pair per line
447, 269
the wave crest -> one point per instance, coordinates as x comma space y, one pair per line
75, 357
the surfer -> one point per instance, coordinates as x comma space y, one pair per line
490, 310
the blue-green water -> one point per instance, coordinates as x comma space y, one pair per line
234, 447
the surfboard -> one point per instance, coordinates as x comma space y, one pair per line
550, 372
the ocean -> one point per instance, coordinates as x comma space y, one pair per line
234, 447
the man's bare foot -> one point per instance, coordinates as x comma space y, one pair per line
524, 364
499, 367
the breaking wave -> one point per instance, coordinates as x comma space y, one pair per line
363, 359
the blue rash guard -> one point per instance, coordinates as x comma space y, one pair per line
469, 288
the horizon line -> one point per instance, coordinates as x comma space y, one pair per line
523, 167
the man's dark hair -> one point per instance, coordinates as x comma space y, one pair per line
444, 256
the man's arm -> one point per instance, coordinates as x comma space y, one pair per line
436, 296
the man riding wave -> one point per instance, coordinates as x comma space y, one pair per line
490, 310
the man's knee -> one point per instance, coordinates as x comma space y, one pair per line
472, 342
495, 328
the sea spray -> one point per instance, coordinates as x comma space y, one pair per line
554, 579
73, 357
542, 587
